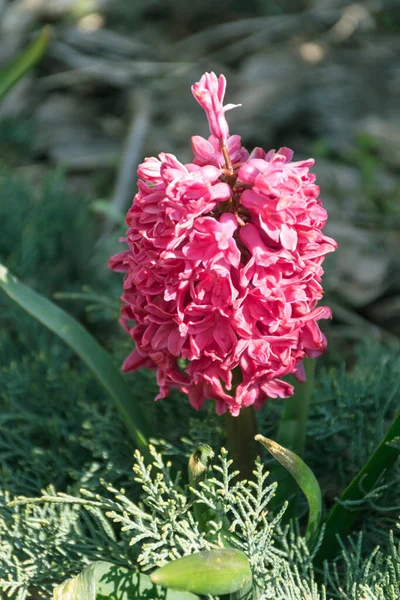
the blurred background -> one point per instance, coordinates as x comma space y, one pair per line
322, 77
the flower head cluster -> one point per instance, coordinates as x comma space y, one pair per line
223, 267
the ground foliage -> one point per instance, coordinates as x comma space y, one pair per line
45, 539
62, 441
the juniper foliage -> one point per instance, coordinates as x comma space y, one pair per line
44, 539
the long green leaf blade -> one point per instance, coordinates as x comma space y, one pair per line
102, 580
306, 480
85, 346
12, 72
292, 429
340, 519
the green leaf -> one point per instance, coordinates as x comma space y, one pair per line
306, 480
105, 208
341, 518
12, 72
291, 434
293, 426
102, 580
215, 572
85, 346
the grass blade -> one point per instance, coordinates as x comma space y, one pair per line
12, 72
85, 346
306, 480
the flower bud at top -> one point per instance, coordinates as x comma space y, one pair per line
209, 93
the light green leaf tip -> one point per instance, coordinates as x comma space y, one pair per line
306, 480
14, 70
215, 572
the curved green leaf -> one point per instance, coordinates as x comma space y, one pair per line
340, 519
12, 72
293, 425
291, 434
306, 480
89, 350
215, 572
102, 580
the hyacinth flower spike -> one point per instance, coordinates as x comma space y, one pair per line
223, 267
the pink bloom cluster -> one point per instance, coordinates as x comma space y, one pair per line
223, 267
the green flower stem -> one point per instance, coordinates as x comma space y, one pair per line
292, 432
242, 448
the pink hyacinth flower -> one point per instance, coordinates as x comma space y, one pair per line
223, 267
